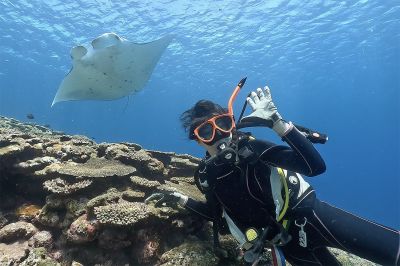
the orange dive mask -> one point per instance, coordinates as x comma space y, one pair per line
205, 132
225, 123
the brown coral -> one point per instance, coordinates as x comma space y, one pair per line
114, 196
139, 158
28, 211
82, 230
125, 213
144, 183
190, 253
111, 196
15, 231
63, 187
147, 247
95, 168
34, 164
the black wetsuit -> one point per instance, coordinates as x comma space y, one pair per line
244, 192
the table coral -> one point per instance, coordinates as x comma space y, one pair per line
97, 167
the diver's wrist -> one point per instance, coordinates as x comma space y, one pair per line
276, 117
182, 198
281, 127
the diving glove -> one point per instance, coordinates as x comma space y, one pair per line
168, 198
265, 112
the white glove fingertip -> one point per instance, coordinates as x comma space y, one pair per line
254, 96
267, 92
260, 93
251, 103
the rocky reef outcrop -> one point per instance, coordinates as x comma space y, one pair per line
66, 200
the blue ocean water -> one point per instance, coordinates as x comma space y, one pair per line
333, 66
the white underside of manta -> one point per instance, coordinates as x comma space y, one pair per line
110, 68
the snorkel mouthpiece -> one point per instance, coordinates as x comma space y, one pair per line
242, 82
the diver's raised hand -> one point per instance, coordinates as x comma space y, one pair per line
167, 197
264, 111
263, 108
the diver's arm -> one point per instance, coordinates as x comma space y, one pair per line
304, 150
300, 157
161, 198
200, 208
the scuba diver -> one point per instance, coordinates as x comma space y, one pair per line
255, 188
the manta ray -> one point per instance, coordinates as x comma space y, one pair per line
109, 68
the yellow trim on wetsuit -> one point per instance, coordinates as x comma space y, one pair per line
285, 224
285, 186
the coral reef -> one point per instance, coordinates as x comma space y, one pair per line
15, 231
61, 186
13, 253
39, 256
144, 183
42, 239
3, 220
82, 230
27, 212
127, 213
66, 200
114, 238
190, 253
95, 168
